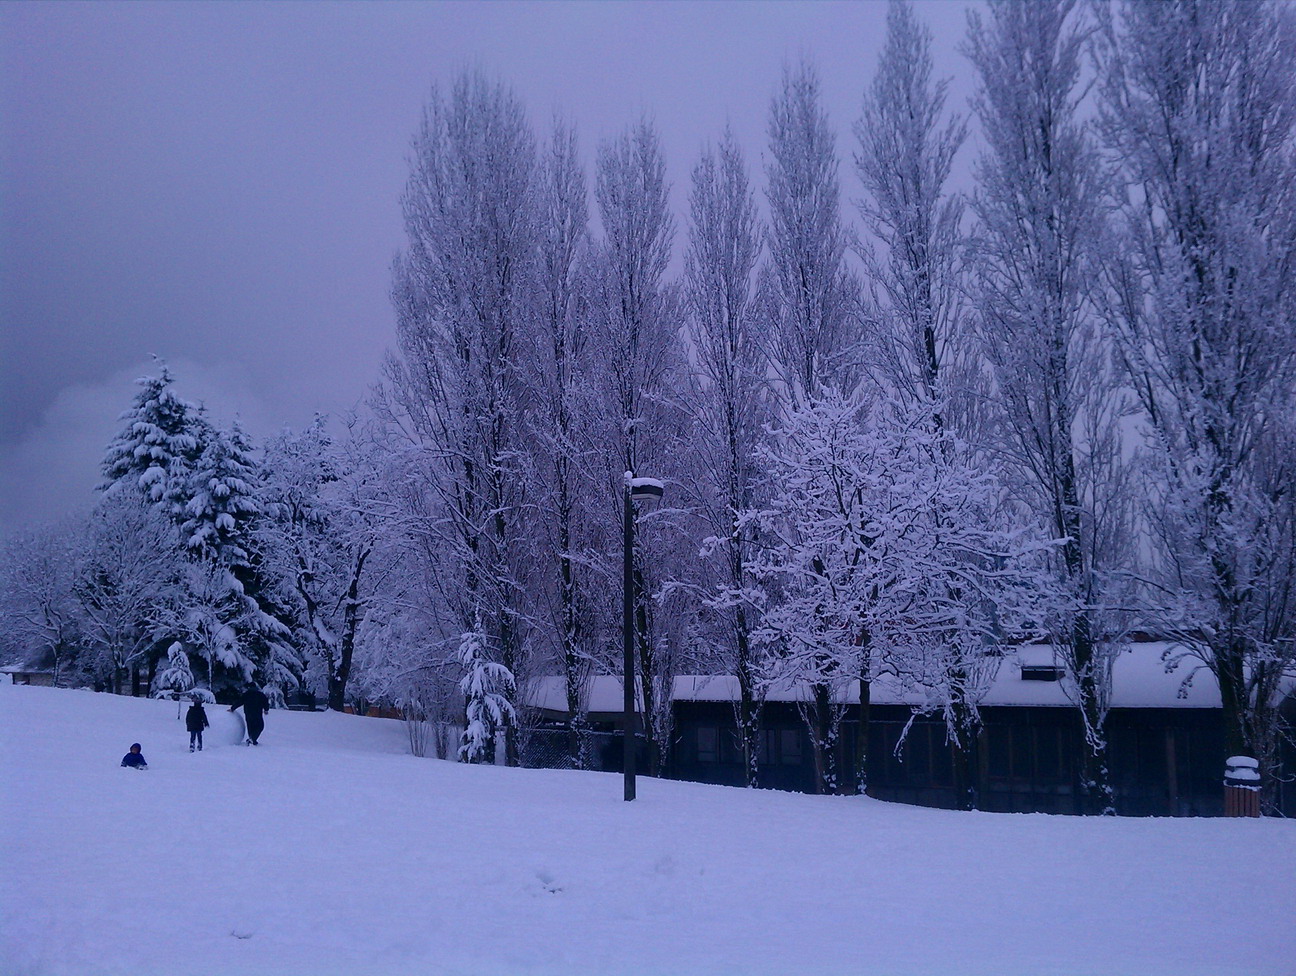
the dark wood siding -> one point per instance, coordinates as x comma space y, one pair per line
1165, 762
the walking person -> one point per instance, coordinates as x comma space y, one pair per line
195, 722
254, 704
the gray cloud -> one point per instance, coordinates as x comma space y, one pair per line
53, 468
218, 183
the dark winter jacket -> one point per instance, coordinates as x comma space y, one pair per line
196, 718
134, 759
253, 703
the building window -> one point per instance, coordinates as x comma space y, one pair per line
790, 747
1040, 672
707, 740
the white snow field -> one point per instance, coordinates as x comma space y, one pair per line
329, 850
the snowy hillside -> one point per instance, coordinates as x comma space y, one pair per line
328, 850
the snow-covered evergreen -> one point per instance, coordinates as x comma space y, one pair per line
488, 689
176, 679
222, 500
163, 437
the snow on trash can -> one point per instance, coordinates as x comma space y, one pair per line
1241, 787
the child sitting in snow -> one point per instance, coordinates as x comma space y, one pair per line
195, 722
134, 758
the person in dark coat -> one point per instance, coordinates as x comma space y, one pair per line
254, 704
134, 759
195, 722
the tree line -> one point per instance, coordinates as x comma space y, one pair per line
901, 431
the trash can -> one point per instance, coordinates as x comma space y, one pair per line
1241, 787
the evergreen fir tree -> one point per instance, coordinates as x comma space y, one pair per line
176, 680
221, 517
164, 435
222, 501
487, 687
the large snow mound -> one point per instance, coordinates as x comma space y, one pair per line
330, 850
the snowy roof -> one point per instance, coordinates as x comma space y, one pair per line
1139, 680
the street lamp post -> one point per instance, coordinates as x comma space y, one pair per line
636, 490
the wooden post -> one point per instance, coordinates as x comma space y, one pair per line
1172, 773
1241, 787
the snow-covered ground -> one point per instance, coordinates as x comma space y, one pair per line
329, 850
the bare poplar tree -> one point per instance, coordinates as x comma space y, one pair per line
639, 352
907, 146
461, 291
810, 296
728, 404
558, 422
1040, 215
1199, 110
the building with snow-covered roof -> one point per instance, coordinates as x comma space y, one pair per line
1164, 730
19, 674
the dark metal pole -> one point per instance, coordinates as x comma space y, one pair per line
627, 638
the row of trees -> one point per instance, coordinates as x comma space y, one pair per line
1050, 407
1053, 407
204, 565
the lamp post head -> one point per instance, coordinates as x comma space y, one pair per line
645, 489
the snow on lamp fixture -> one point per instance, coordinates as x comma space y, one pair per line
646, 490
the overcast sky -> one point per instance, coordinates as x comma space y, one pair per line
217, 184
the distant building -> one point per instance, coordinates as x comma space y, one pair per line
1165, 738
21, 675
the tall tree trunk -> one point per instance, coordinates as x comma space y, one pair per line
647, 671
338, 677
964, 753
823, 739
862, 748
749, 711
508, 639
573, 666
1233, 698
748, 707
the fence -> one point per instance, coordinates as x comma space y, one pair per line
552, 749
543, 748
